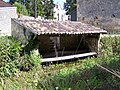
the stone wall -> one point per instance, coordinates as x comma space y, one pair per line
88, 42
21, 33
68, 42
93, 42
6, 13
102, 13
81, 43
25, 36
44, 43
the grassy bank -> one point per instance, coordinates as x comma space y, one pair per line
79, 75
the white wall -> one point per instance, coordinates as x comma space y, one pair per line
60, 13
6, 13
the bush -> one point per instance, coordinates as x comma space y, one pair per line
110, 46
11, 60
9, 56
29, 60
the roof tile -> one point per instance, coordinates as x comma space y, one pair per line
58, 27
4, 4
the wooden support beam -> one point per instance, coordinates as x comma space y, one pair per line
68, 57
56, 53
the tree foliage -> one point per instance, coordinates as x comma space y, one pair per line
12, 1
70, 5
20, 8
48, 9
44, 7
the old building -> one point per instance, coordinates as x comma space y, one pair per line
6, 13
59, 13
102, 13
73, 15
55, 38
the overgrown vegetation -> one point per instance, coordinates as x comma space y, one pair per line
11, 58
9, 55
29, 60
79, 75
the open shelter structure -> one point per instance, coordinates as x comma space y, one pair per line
56, 39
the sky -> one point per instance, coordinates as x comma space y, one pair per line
6, 0
61, 2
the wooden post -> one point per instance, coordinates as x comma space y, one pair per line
56, 53
35, 9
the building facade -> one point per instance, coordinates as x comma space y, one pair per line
102, 13
59, 14
6, 13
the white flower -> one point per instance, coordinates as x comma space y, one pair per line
56, 88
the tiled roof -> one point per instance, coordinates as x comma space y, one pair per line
57, 27
4, 4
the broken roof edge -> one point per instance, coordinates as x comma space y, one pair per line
35, 31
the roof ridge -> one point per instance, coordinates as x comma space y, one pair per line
56, 27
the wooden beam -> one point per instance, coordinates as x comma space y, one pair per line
68, 57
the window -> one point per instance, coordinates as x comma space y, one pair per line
55, 42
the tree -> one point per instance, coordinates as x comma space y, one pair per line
48, 9
12, 1
44, 7
70, 5
20, 8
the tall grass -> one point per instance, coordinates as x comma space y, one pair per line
80, 75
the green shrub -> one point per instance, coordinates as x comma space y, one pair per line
110, 46
11, 60
29, 60
9, 56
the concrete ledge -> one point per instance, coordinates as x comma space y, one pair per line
68, 57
